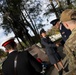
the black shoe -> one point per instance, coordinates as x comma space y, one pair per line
66, 70
60, 72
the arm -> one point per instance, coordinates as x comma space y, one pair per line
46, 44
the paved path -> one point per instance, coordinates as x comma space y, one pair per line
52, 70
37, 52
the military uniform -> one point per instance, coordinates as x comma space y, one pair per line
70, 47
26, 64
64, 32
19, 63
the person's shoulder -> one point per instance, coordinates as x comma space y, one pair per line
23, 52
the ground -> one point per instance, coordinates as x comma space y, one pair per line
38, 52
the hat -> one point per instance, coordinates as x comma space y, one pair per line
8, 41
53, 22
42, 31
67, 15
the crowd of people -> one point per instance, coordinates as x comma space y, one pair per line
23, 63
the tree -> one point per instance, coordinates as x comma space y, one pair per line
15, 22
57, 6
20, 14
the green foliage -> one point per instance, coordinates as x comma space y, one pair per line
2, 53
1, 72
57, 6
20, 14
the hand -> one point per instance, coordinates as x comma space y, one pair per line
57, 45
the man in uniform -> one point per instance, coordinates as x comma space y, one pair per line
64, 32
68, 18
19, 63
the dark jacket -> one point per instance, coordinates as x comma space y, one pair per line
26, 64
64, 32
51, 50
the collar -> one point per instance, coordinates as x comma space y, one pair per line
73, 30
60, 26
44, 37
11, 51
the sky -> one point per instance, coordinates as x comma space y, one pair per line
47, 26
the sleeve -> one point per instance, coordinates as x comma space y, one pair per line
34, 63
3, 69
68, 48
46, 44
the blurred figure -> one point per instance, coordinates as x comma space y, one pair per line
19, 63
68, 18
64, 32
51, 51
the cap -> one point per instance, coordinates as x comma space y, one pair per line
7, 41
67, 15
53, 22
42, 31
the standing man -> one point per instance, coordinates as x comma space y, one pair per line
68, 18
19, 63
64, 32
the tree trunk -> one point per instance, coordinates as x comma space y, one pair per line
34, 24
54, 10
20, 44
60, 8
68, 2
17, 37
32, 28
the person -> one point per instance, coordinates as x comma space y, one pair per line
51, 51
68, 18
19, 63
65, 33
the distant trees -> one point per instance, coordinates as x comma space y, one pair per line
57, 6
19, 15
15, 20
53, 31
2, 53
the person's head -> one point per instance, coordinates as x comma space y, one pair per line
9, 44
56, 23
68, 18
42, 33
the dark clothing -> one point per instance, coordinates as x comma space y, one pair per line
51, 50
26, 64
64, 32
